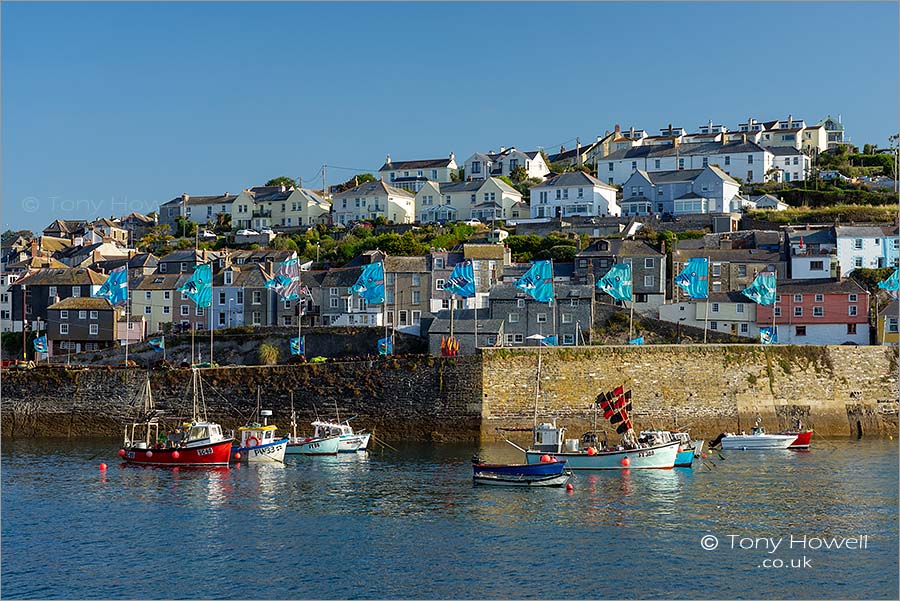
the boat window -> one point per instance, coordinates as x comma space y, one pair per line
198, 433
268, 434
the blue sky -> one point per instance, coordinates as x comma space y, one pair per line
111, 107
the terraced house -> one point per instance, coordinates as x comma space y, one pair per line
79, 324
46, 287
278, 206
484, 200
202, 210
412, 175
372, 200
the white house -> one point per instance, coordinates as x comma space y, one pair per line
199, 209
728, 313
859, 246
789, 164
6, 317
745, 160
691, 191
278, 206
412, 175
484, 200
481, 166
768, 202
813, 253
574, 194
371, 200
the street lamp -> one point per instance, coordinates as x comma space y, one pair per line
317, 253
230, 300
680, 320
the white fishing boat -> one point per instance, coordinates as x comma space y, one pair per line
310, 445
350, 441
757, 439
258, 443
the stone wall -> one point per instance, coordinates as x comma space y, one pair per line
710, 389
408, 399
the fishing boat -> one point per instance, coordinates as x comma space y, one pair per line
758, 439
310, 445
687, 449
350, 441
548, 473
258, 442
804, 437
198, 442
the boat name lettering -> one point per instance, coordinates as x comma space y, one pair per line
646, 453
207, 451
264, 450
129, 454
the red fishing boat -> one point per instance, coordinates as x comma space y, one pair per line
198, 442
803, 436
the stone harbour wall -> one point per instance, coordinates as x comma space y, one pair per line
837, 390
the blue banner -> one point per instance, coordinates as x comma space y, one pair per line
286, 280
768, 335
892, 283
638, 340
462, 280
538, 281
694, 278
762, 290
157, 344
617, 282
550, 341
199, 287
298, 345
40, 344
370, 285
115, 288
385, 346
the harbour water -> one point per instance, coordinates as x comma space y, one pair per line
411, 524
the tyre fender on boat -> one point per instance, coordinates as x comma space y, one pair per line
254, 443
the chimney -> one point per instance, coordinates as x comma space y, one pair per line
34, 248
185, 197
282, 189
387, 159
618, 129
578, 159
790, 120
502, 149
631, 134
744, 138
562, 149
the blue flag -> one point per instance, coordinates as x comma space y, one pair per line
199, 287
158, 344
694, 278
638, 340
550, 341
286, 279
385, 346
892, 284
40, 344
768, 335
538, 281
115, 288
617, 282
762, 290
462, 280
370, 285
298, 345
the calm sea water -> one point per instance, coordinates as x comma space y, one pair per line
411, 524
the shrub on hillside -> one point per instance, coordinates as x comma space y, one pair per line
268, 354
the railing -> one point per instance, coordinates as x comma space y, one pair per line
267, 214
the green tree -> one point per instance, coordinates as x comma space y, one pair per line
184, 227
354, 181
223, 223
519, 174
156, 239
268, 354
283, 243
288, 182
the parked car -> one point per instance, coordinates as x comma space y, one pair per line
247, 233
267, 231
472, 222
208, 235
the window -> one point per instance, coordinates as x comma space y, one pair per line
63, 328
439, 262
727, 160
520, 303
633, 165
857, 244
681, 163
817, 266
713, 325
76, 291
185, 310
519, 338
714, 308
890, 325
851, 310
257, 297
742, 271
820, 298
610, 166
656, 164
705, 161
147, 310
93, 315
513, 318
403, 318
777, 311
818, 311
851, 328
857, 261
749, 159
648, 281
333, 303
798, 298
745, 328
257, 318
542, 318
648, 263
333, 291
167, 310
739, 308
147, 295
800, 330
717, 269
567, 318
798, 311
82, 315
64, 314
416, 280
240, 297
568, 339
439, 284
95, 329
476, 166
229, 278
573, 302
851, 298
221, 298
198, 311
509, 339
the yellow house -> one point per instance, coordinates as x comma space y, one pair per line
154, 298
887, 324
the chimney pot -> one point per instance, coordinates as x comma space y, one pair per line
387, 159
618, 128
452, 156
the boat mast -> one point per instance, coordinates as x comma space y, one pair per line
212, 280
537, 386
293, 417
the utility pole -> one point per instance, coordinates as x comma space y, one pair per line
324, 183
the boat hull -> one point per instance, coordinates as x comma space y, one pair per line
803, 439
656, 457
750, 442
263, 453
493, 479
553, 468
684, 458
351, 443
316, 446
215, 453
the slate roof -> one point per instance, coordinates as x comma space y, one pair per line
162, 281
341, 277
560, 291
892, 309
823, 286
858, 231
574, 178
731, 255
201, 200
82, 302
406, 264
135, 262
571, 154
70, 276
816, 236
620, 248
484, 251
698, 148
37, 263
372, 188
784, 150
66, 226
419, 164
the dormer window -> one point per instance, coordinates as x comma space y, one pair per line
229, 277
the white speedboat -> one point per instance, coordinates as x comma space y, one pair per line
757, 439
350, 441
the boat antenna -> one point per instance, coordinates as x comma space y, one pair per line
337, 411
293, 417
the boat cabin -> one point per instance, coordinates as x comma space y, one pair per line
548, 438
195, 433
757, 431
255, 435
329, 429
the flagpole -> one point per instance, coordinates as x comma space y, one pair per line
708, 299
631, 319
211, 304
127, 322
476, 320
774, 336
553, 302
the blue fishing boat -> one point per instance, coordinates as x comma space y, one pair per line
550, 473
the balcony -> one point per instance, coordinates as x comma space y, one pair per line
262, 214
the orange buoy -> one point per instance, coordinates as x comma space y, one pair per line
569, 487
121, 452
546, 459
237, 455
149, 454
176, 455
591, 451
102, 467
626, 461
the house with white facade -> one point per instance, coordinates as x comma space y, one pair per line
789, 164
199, 209
769, 202
482, 199
484, 165
371, 200
412, 175
834, 131
812, 253
728, 313
860, 246
574, 194
278, 206
691, 191
748, 161
6, 317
